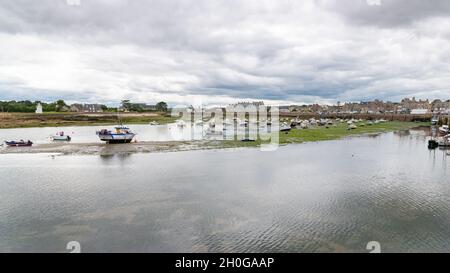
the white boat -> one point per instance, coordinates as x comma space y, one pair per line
352, 127
304, 125
285, 127
180, 123
120, 134
60, 137
444, 129
444, 141
154, 123
226, 122
434, 121
212, 132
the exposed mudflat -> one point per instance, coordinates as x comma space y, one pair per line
110, 149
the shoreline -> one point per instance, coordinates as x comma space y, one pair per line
294, 137
30, 120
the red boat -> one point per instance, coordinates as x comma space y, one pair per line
19, 143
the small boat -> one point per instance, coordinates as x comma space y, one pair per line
60, 137
248, 140
444, 129
352, 127
212, 132
444, 141
180, 123
154, 123
433, 144
285, 127
121, 134
434, 121
20, 143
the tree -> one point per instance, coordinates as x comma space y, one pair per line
126, 105
61, 106
161, 106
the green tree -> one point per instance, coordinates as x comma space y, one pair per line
161, 106
61, 106
126, 105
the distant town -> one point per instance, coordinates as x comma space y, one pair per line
406, 106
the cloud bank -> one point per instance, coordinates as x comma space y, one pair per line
218, 52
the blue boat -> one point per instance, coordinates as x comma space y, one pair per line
121, 134
20, 143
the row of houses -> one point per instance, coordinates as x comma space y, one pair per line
406, 106
86, 108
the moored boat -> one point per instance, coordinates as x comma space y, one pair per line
444, 141
434, 121
20, 143
60, 137
444, 129
121, 134
285, 127
180, 123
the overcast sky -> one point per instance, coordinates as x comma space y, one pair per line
220, 51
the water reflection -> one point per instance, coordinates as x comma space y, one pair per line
332, 196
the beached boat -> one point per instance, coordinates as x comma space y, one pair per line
154, 123
20, 143
444, 141
60, 137
285, 127
434, 121
121, 134
444, 129
352, 127
180, 123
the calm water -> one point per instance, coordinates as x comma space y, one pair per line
330, 196
145, 132
87, 134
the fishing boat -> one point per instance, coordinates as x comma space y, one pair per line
444, 129
20, 143
60, 137
285, 127
120, 134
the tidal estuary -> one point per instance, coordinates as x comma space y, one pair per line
331, 196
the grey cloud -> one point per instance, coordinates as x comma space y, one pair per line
305, 51
390, 13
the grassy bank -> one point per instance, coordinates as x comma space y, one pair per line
27, 120
334, 132
341, 130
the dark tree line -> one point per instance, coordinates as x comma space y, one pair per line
27, 106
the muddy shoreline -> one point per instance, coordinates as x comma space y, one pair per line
113, 149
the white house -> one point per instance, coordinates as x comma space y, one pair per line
39, 109
419, 111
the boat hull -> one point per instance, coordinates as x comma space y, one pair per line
116, 138
61, 138
18, 144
